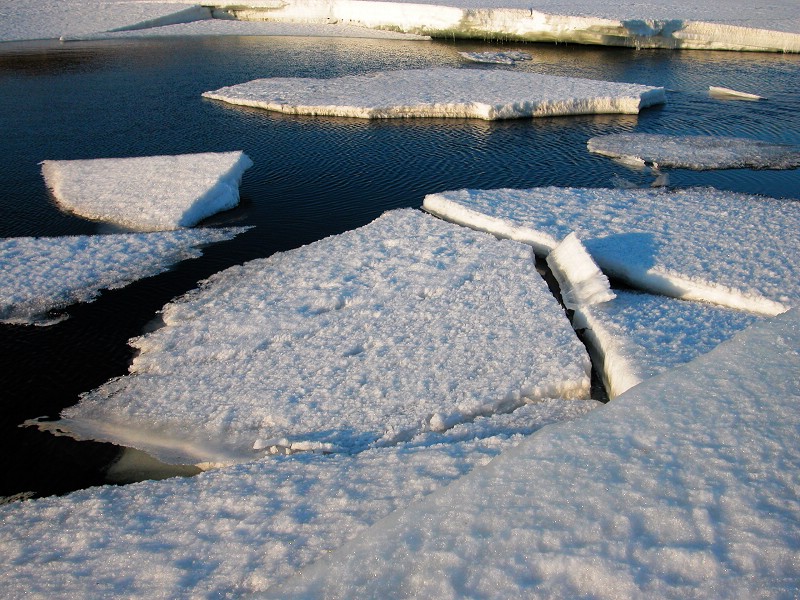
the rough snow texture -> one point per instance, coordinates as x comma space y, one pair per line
508, 57
369, 338
149, 193
40, 275
637, 336
580, 280
697, 244
697, 152
461, 93
723, 25
684, 487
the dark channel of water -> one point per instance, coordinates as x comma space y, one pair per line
313, 177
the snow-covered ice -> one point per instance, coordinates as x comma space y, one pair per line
697, 152
409, 324
507, 57
686, 486
148, 193
580, 281
441, 92
697, 244
40, 275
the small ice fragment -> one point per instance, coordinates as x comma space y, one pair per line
579, 278
723, 92
500, 58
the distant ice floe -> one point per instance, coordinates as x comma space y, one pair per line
686, 485
149, 193
696, 244
698, 152
40, 275
441, 92
508, 57
407, 325
727, 93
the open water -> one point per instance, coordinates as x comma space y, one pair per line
313, 177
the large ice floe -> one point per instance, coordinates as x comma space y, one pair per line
696, 244
407, 325
148, 193
242, 529
441, 92
40, 275
697, 152
634, 335
686, 486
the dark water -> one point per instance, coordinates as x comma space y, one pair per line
313, 177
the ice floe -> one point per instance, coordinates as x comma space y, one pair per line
40, 275
148, 193
441, 92
407, 325
727, 93
684, 486
696, 152
507, 57
697, 244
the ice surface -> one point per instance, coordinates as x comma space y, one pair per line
508, 57
460, 93
148, 193
39, 275
580, 280
638, 335
407, 325
686, 486
695, 151
702, 244
727, 93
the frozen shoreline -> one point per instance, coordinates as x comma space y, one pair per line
730, 25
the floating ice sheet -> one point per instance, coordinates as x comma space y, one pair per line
149, 193
729, 94
508, 57
685, 486
702, 244
441, 92
407, 325
39, 275
697, 152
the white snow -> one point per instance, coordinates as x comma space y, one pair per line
407, 325
580, 281
697, 244
695, 151
441, 92
148, 193
39, 275
725, 25
686, 486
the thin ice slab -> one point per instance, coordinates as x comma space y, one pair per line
41, 275
148, 193
458, 93
409, 324
685, 486
702, 244
698, 152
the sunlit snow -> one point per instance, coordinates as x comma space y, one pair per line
148, 193
407, 325
441, 92
697, 244
686, 486
695, 151
39, 275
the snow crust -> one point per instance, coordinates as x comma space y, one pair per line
149, 193
407, 325
441, 92
683, 487
696, 244
697, 152
40, 275
580, 280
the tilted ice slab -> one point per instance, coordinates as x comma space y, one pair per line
39, 275
724, 25
701, 244
461, 93
409, 324
695, 151
67, 19
148, 193
686, 486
